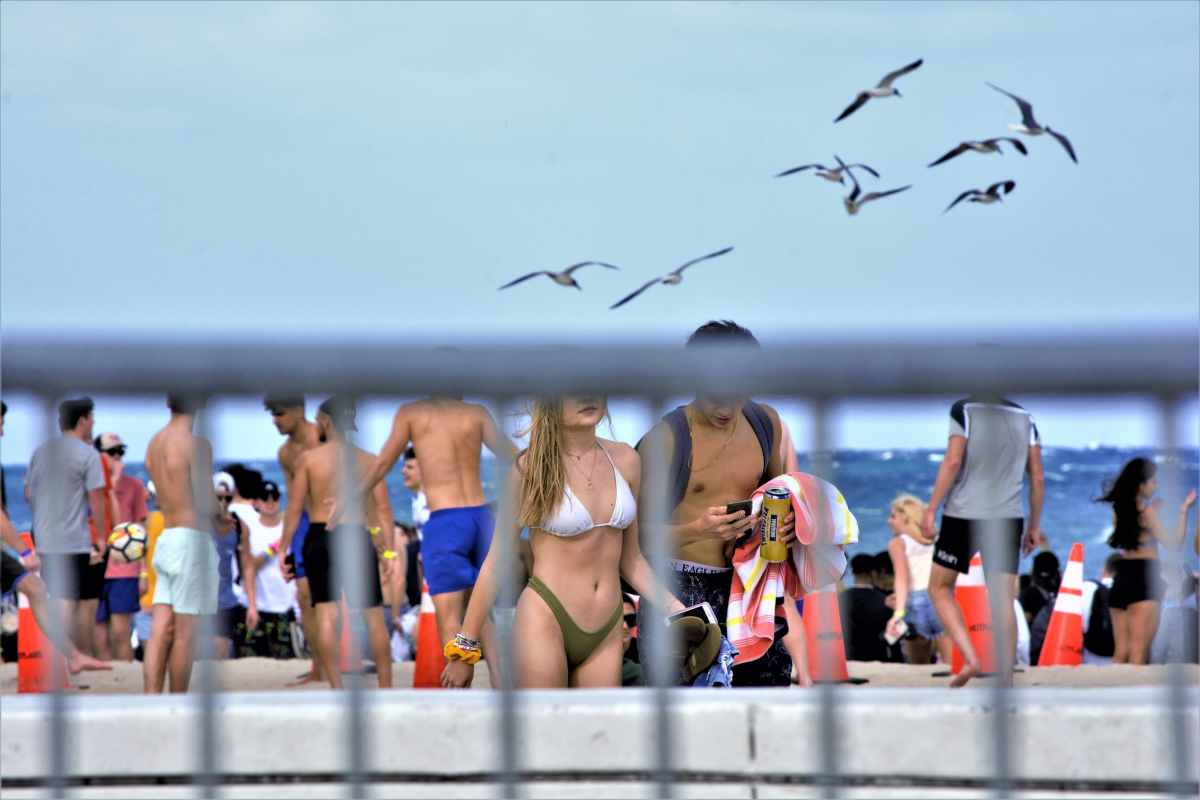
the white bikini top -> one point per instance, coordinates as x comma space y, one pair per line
572, 518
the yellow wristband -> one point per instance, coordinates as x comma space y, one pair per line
373, 531
143, 574
899, 613
388, 555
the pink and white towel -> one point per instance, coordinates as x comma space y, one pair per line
824, 526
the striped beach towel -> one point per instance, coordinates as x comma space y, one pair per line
824, 526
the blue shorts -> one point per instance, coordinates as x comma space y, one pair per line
453, 546
119, 596
921, 617
297, 547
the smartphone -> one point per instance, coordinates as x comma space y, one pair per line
702, 611
741, 505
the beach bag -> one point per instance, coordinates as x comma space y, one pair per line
1098, 639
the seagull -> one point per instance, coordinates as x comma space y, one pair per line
884, 89
1030, 127
563, 278
832, 174
992, 195
982, 146
672, 278
854, 202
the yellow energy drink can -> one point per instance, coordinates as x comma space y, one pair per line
776, 505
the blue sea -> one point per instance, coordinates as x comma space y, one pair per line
869, 479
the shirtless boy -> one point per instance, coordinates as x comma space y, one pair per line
448, 433
314, 485
185, 557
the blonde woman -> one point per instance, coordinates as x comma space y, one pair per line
577, 494
912, 557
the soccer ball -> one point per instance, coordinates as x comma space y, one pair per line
128, 542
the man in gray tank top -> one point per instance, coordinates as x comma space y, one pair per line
993, 444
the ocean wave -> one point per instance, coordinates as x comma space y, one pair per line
936, 457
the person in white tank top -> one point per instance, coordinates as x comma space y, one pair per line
912, 560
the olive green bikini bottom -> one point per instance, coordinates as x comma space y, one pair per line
579, 643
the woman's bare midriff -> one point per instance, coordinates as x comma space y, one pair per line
582, 572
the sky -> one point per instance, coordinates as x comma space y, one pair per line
377, 170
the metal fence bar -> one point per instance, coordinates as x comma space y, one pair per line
1001, 610
60, 731
654, 497
828, 781
1182, 748
203, 630
507, 593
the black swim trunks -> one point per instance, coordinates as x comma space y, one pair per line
1136, 580
699, 583
323, 583
960, 539
72, 575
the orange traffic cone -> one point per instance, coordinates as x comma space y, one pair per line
971, 595
1063, 646
349, 657
430, 661
823, 635
35, 653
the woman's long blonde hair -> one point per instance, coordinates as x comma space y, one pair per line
911, 509
543, 476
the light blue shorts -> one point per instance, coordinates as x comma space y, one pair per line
920, 615
185, 560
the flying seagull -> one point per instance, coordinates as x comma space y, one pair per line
670, 279
884, 89
855, 200
1030, 126
982, 146
564, 278
991, 195
832, 174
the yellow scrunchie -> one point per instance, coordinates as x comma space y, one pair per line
453, 652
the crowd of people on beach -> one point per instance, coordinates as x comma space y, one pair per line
266, 569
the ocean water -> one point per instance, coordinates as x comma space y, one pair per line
869, 479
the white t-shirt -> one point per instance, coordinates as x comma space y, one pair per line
420, 513
272, 593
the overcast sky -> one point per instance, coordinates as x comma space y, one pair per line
379, 169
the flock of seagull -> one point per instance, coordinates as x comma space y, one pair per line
854, 201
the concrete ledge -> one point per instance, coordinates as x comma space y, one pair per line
1068, 737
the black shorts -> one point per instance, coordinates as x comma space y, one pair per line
11, 572
80, 580
1136, 579
960, 539
323, 584
225, 622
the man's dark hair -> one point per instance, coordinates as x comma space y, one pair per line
883, 563
71, 411
281, 401
410, 453
247, 482
184, 403
3, 409
721, 332
341, 410
1110, 563
862, 564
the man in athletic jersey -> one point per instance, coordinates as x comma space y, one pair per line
993, 444
315, 480
287, 412
448, 434
722, 449
185, 557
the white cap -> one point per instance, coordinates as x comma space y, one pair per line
223, 480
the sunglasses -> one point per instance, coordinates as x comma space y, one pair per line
271, 498
116, 452
225, 499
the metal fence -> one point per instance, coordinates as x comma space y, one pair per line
1161, 366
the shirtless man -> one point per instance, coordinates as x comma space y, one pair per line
448, 433
185, 556
723, 448
314, 485
287, 412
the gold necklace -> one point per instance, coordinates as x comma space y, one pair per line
579, 459
729, 438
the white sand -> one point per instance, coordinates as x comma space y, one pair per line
260, 674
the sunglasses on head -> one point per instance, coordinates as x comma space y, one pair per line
116, 452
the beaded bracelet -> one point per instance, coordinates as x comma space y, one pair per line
463, 649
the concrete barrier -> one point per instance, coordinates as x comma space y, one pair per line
1061, 737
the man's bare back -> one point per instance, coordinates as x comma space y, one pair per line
318, 470
446, 434
169, 461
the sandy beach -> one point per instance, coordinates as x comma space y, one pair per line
260, 674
